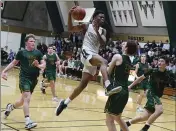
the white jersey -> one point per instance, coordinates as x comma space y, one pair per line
91, 42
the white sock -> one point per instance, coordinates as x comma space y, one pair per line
67, 101
27, 119
107, 83
147, 124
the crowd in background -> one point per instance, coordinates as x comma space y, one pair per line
71, 66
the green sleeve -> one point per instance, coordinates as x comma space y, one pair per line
18, 55
40, 56
149, 72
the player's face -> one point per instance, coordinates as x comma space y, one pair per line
50, 50
101, 18
162, 63
31, 43
143, 58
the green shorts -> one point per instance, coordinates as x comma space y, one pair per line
152, 100
116, 103
145, 85
27, 85
51, 76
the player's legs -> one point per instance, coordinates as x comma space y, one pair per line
121, 122
110, 123
51, 78
115, 106
26, 86
156, 114
153, 117
143, 117
139, 100
97, 60
86, 77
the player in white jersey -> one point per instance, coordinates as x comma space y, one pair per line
95, 37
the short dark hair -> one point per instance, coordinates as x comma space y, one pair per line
132, 47
155, 58
167, 60
29, 36
97, 12
50, 46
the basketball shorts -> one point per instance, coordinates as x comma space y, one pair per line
116, 103
86, 56
152, 100
145, 85
51, 75
27, 85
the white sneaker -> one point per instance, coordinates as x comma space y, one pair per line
41, 85
9, 108
30, 125
55, 99
140, 109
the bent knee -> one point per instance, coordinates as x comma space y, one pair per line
109, 121
160, 111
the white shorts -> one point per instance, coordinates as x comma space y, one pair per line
85, 57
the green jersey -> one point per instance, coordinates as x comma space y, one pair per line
158, 80
121, 72
143, 68
26, 58
51, 62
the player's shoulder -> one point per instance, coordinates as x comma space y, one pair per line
20, 51
117, 56
38, 52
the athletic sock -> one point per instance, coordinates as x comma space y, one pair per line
107, 83
67, 101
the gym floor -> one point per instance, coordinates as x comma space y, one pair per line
85, 113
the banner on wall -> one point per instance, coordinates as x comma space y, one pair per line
140, 38
151, 13
122, 13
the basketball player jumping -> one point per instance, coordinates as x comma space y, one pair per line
28, 77
119, 70
159, 78
95, 36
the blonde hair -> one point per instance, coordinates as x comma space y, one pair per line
29, 36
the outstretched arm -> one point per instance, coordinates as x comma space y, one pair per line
138, 80
10, 66
72, 28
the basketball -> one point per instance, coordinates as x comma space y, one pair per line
78, 13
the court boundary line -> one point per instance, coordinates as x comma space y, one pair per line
13, 128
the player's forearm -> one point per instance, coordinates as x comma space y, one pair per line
42, 66
10, 66
138, 80
70, 24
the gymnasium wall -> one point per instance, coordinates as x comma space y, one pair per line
12, 40
141, 28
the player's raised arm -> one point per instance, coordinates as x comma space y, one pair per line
72, 28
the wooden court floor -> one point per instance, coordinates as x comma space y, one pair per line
85, 113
